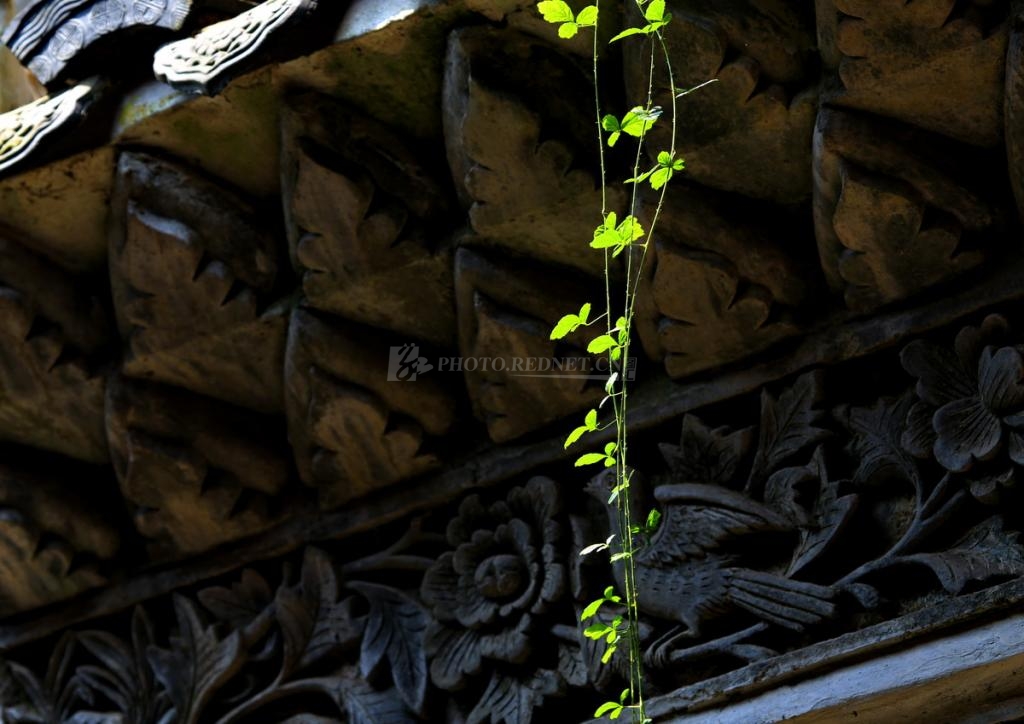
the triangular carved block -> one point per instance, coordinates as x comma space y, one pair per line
198, 472
521, 380
896, 211
749, 131
527, 191
51, 334
716, 289
192, 270
354, 430
54, 541
367, 224
934, 63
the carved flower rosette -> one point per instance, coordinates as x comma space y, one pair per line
488, 596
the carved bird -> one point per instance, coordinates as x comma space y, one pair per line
692, 569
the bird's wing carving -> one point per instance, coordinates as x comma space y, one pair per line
698, 519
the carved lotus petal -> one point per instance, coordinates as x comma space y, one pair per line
941, 376
918, 437
999, 378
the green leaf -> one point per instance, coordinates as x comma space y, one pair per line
623, 696
626, 33
609, 593
653, 518
587, 16
664, 158
606, 239
639, 120
613, 138
568, 30
609, 386
596, 631
574, 436
605, 658
641, 177
565, 325
610, 448
655, 11
621, 556
592, 608
608, 706
601, 344
555, 11
589, 459
591, 420
630, 229
593, 548
678, 165
584, 313
661, 177
610, 123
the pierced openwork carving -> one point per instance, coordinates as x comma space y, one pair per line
896, 211
197, 472
24, 130
933, 63
192, 269
506, 312
367, 224
750, 131
354, 431
208, 60
525, 190
48, 35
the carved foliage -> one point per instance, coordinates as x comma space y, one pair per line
895, 212
934, 63
48, 34
191, 270
198, 472
750, 131
524, 189
208, 60
55, 540
506, 312
715, 289
366, 222
354, 431
52, 332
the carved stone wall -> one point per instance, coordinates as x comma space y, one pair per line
268, 274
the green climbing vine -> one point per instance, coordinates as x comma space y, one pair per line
613, 237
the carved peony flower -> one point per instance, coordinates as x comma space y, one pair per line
504, 570
971, 398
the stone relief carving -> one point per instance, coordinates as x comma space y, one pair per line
193, 271
208, 60
749, 132
47, 35
368, 225
715, 288
896, 211
526, 191
56, 541
506, 312
936, 64
196, 472
54, 333
354, 431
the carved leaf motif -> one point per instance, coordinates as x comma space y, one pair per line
571, 665
985, 552
366, 705
877, 440
512, 700
125, 677
52, 698
315, 624
241, 603
788, 425
197, 664
394, 633
705, 455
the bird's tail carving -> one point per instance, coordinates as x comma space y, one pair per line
783, 601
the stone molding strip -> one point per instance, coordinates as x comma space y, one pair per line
25, 129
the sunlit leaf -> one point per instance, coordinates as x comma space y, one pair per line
555, 11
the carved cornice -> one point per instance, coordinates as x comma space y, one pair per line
24, 130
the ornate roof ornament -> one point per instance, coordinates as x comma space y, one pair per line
24, 129
208, 60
